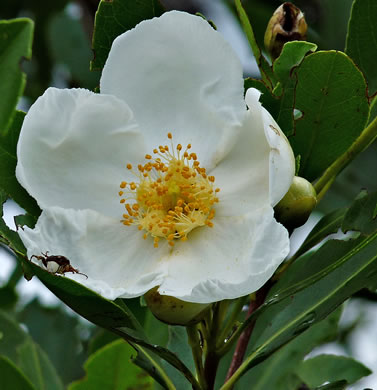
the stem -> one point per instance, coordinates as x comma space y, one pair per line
231, 321
212, 359
243, 341
193, 338
264, 68
368, 135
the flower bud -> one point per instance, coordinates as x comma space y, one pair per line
296, 206
172, 310
286, 24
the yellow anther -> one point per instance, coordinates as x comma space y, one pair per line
170, 198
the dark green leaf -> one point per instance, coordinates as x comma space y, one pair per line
87, 303
264, 67
361, 43
178, 343
7, 236
328, 224
150, 363
322, 282
114, 316
338, 385
309, 290
373, 109
8, 162
331, 95
116, 17
291, 55
25, 220
18, 346
12, 377
275, 371
362, 214
74, 50
330, 368
111, 368
15, 44
59, 337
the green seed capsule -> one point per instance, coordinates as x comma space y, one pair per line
173, 311
296, 206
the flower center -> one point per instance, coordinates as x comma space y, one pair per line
173, 195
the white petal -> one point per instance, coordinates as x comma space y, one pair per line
73, 150
179, 75
282, 160
243, 175
234, 258
116, 259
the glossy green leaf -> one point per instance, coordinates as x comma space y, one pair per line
362, 215
116, 17
279, 369
12, 377
8, 162
330, 368
327, 225
18, 346
111, 368
15, 44
331, 95
361, 43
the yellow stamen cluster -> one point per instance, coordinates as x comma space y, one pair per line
172, 196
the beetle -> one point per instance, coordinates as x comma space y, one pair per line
57, 264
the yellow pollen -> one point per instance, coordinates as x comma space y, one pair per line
172, 195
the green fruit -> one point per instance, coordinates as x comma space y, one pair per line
173, 311
298, 203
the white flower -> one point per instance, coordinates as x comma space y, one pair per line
172, 74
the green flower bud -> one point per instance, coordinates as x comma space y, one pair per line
286, 24
296, 206
172, 310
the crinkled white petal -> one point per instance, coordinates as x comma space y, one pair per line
234, 258
179, 75
116, 259
282, 161
73, 150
